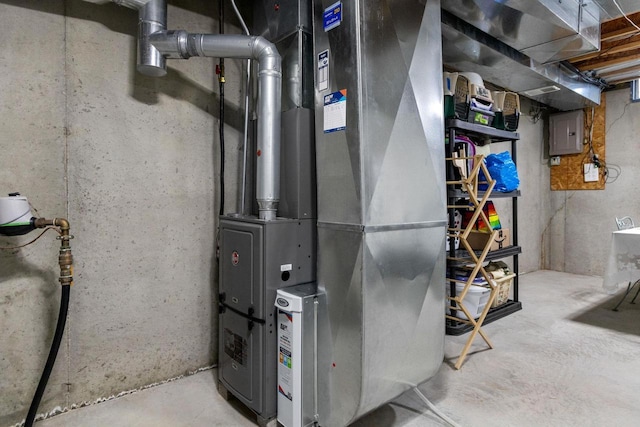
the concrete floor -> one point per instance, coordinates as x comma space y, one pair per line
566, 359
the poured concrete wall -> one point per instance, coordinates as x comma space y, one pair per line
133, 163
533, 205
582, 221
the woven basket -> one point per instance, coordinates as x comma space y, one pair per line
504, 287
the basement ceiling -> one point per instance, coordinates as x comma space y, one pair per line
558, 52
618, 60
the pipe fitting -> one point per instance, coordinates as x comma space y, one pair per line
172, 44
152, 19
65, 258
179, 44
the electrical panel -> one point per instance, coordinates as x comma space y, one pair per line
566, 133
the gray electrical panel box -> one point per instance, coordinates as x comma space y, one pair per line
567, 132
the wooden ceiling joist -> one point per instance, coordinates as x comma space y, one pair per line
622, 75
619, 43
618, 34
610, 48
619, 27
604, 61
625, 70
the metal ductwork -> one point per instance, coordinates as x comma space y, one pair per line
183, 45
381, 202
152, 18
468, 48
133, 4
155, 44
545, 30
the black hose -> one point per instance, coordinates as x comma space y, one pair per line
48, 367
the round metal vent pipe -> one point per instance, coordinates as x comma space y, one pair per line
133, 4
152, 19
155, 44
152, 16
180, 44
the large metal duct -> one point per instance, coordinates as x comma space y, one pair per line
381, 202
544, 30
519, 45
467, 48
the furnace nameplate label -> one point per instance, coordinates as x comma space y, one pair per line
332, 16
335, 111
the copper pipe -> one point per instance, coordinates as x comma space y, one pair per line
65, 258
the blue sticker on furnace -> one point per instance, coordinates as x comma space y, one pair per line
332, 16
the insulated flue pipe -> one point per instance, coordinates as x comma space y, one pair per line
180, 44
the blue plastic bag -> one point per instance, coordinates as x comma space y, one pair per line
503, 171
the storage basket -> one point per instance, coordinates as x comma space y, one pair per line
503, 285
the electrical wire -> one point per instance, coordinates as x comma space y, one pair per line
435, 410
597, 80
611, 172
221, 81
246, 114
625, 15
590, 157
535, 114
235, 9
33, 241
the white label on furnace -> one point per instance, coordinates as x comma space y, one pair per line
286, 267
323, 70
285, 356
335, 111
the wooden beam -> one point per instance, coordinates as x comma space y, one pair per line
608, 60
610, 48
612, 27
611, 74
624, 32
622, 80
621, 76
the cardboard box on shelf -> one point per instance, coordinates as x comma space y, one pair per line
478, 241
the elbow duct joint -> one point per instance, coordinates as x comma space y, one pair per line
179, 44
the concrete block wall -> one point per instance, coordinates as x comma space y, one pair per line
133, 163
